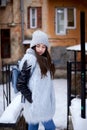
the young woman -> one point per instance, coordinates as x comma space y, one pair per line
36, 84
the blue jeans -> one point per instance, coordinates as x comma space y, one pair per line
49, 125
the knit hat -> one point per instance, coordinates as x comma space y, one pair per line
39, 37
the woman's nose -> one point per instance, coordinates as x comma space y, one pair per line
40, 48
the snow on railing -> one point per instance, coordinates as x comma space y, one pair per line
12, 112
79, 123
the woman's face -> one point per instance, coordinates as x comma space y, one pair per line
40, 49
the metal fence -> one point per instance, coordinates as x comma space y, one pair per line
74, 85
6, 82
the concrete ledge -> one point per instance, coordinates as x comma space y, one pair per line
60, 73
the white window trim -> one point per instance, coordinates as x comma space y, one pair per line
31, 18
64, 23
65, 20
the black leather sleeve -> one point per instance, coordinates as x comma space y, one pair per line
22, 81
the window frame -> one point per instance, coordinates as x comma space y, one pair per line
57, 22
38, 17
65, 20
31, 17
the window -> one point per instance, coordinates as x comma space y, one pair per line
71, 20
3, 3
65, 19
60, 21
34, 17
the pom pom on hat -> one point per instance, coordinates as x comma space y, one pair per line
39, 37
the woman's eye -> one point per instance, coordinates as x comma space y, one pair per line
43, 47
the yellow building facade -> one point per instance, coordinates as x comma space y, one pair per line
60, 19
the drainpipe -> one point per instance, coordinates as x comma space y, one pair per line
0, 58
22, 19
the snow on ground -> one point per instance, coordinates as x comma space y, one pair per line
60, 117
1, 100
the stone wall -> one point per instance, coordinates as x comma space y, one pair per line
60, 56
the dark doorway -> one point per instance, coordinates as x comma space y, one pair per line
5, 43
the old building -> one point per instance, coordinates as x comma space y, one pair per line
60, 19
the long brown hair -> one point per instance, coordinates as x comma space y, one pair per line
45, 63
